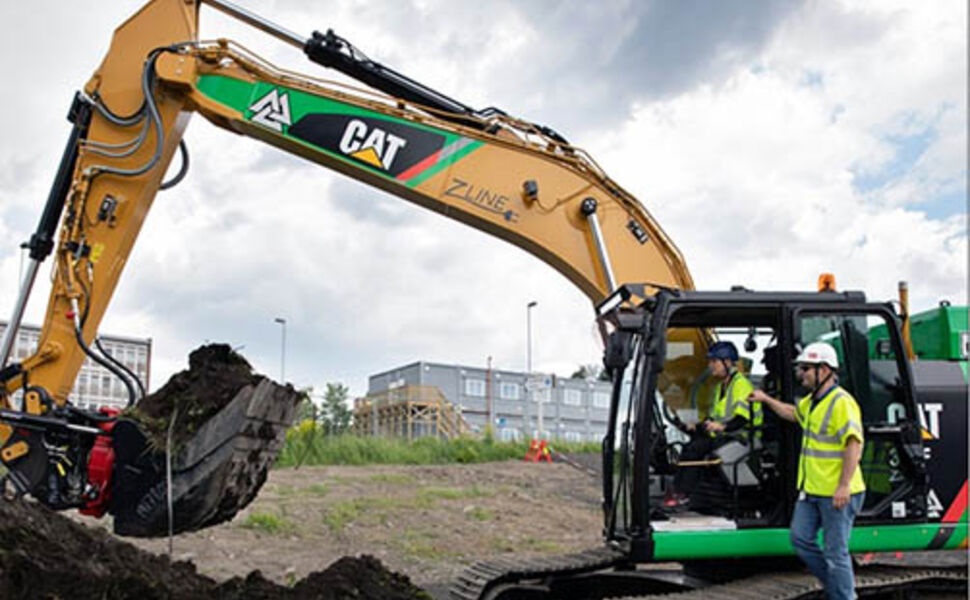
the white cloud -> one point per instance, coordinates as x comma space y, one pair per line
754, 178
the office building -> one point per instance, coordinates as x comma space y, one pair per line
573, 409
94, 386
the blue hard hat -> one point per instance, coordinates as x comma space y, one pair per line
723, 351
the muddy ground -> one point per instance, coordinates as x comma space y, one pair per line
47, 555
427, 522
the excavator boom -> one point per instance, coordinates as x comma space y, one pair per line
516, 180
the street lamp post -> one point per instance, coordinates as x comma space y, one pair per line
282, 323
528, 365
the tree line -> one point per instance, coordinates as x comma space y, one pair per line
332, 415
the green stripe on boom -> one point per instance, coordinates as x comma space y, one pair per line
240, 95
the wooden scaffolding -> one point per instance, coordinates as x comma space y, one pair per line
410, 412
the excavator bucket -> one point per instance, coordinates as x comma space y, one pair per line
214, 474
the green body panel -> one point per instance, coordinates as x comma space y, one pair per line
684, 545
937, 334
959, 537
240, 96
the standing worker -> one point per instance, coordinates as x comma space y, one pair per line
831, 490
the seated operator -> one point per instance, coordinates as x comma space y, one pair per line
730, 414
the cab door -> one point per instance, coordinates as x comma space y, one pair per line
875, 371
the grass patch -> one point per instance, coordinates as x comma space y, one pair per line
478, 513
503, 545
394, 478
338, 516
372, 508
315, 449
318, 489
422, 545
527, 544
454, 493
531, 544
267, 523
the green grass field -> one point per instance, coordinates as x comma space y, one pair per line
308, 446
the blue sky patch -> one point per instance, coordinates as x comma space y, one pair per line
908, 150
949, 200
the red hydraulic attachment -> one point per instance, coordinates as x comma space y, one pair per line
538, 450
100, 464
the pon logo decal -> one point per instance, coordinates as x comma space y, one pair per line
272, 110
374, 146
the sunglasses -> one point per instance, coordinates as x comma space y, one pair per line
804, 368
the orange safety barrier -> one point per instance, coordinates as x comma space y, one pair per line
538, 450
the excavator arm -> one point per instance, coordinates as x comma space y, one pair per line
511, 178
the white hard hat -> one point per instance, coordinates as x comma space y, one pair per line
818, 353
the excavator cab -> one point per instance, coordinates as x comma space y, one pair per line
655, 348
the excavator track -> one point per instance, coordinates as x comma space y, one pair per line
491, 579
875, 580
574, 576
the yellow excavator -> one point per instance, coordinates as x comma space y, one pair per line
512, 178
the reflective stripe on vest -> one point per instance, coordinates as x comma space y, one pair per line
720, 412
820, 462
730, 404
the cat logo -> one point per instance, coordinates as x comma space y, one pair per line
373, 146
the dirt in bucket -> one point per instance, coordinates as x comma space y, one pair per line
215, 374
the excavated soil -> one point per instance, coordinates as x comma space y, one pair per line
47, 555
215, 374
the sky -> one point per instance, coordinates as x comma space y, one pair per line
772, 140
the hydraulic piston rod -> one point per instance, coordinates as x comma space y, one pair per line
42, 241
588, 208
258, 22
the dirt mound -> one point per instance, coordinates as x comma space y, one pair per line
46, 555
359, 578
215, 374
363, 577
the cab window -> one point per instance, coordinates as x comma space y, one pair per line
871, 370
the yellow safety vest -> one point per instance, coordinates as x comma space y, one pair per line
733, 401
825, 431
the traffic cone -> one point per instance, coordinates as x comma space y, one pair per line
532, 454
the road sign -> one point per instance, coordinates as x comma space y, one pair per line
537, 382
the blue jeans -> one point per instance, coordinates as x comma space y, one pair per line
830, 563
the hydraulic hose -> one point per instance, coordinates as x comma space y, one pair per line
107, 365
184, 151
134, 377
